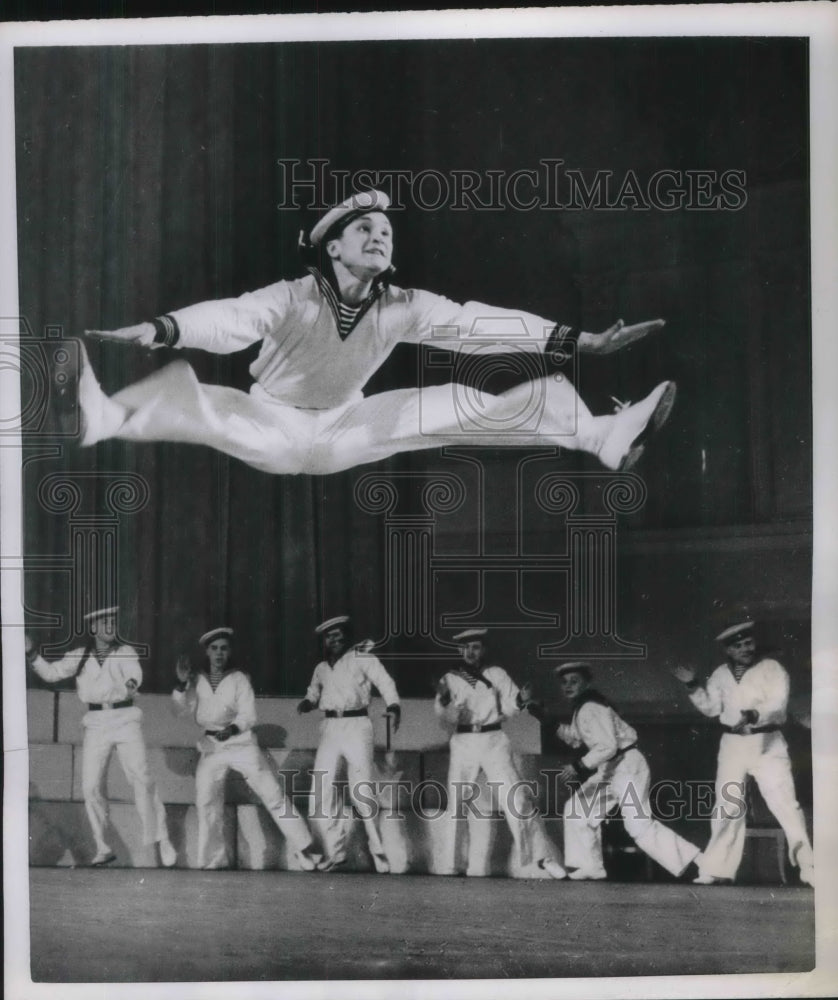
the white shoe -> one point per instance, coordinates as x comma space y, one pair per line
103, 857
168, 855
807, 875
553, 868
382, 865
588, 874
307, 862
98, 416
706, 880
329, 864
87, 392
625, 444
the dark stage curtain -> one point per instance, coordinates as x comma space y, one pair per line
148, 179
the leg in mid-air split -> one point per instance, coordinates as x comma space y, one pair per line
269, 435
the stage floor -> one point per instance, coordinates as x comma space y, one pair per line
153, 925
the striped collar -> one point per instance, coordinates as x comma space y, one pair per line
471, 677
345, 322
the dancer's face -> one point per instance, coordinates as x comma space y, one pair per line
473, 652
104, 629
219, 652
573, 684
335, 642
742, 651
365, 247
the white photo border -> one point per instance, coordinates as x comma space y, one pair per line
816, 21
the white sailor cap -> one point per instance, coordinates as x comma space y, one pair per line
93, 616
331, 623
471, 633
573, 667
732, 631
358, 204
215, 633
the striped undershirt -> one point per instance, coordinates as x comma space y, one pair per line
346, 318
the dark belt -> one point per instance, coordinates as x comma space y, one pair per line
625, 750
114, 704
349, 713
773, 728
479, 729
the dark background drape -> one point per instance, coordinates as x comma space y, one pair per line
148, 178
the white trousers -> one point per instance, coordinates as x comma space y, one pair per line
250, 763
623, 782
120, 728
765, 756
172, 405
491, 753
349, 743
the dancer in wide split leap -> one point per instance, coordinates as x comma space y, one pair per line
323, 336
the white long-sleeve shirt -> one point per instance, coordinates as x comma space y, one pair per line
347, 684
303, 361
764, 688
479, 704
598, 728
96, 684
232, 702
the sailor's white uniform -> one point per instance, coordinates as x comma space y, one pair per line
233, 702
101, 687
621, 777
343, 691
306, 413
476, 705
763, 753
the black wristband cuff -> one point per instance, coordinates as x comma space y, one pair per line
180, 686
692, 685
166, 331
562, 341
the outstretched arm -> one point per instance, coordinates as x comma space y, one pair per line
617, 336
57, 670
706, 697
222, 326
436, 320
